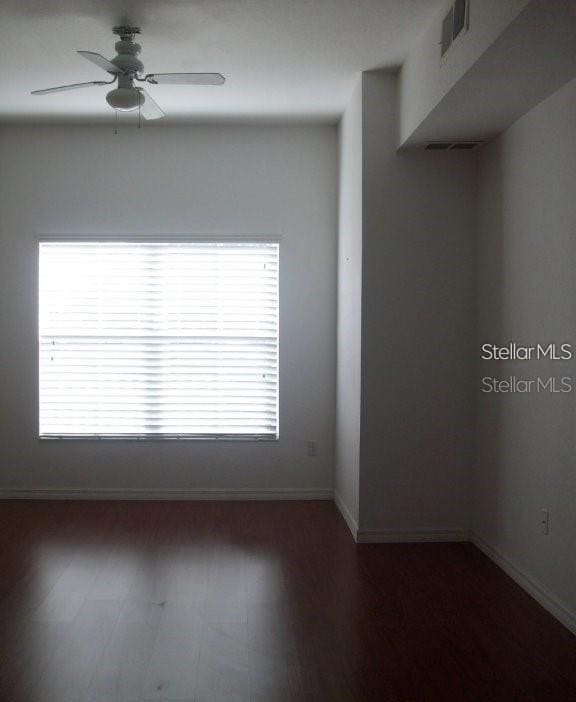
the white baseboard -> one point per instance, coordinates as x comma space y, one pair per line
348, 518
164, 494
387, 536
538, 591
402, 536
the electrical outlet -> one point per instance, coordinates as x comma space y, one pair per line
311, 448
544, 521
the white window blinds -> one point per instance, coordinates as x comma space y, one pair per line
158, 339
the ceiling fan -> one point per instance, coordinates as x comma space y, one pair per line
126, 68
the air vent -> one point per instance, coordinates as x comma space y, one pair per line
452, 145
456, 22
460, 17
447, 31
438, 146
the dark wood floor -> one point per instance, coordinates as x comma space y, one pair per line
125, 602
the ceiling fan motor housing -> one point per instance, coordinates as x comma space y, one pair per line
128, 62
127, 51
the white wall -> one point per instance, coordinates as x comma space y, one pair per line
215, 180
426, 77
527, 293
347, 467
418, 327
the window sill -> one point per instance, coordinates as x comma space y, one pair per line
159, 437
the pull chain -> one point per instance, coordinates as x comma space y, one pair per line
139, 109
116, 122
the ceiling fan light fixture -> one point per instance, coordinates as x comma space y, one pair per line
125, 99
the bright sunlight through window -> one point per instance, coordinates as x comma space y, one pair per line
158, 339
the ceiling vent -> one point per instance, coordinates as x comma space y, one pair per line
452, 145
456, 22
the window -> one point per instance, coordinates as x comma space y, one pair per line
158, 339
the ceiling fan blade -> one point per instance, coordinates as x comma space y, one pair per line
185, 78
149, 108
74, 86
100, 61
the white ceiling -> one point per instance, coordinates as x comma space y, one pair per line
293, 59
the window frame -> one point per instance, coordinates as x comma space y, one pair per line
155, 238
